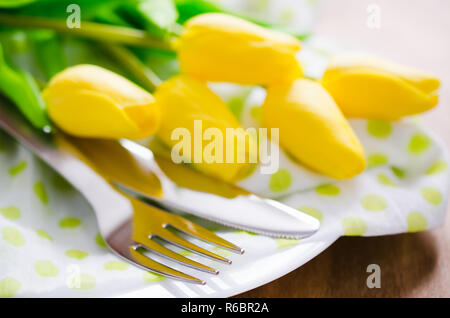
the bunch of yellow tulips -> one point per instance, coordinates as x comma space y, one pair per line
311, 115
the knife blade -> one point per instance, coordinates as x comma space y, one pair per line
138, 171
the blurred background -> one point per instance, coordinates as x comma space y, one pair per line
411, 32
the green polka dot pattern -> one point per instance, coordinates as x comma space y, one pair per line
82, 282
280, 181
399, 173
354, 226
17, 169
99, 240
419, 143
10, 212
437, 167
328, 189
45, 268
13, 236
115, 266
76, 254
40, 192
44, 235
148, 277
431, 195
69, 222
385, 180
379, 128
9, 287
416, 222
312, 211
374, 203
376, 159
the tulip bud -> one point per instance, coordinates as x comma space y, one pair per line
223, 48
89, 101
195, 123
312, 128
377, 89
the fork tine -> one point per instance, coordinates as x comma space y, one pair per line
172, 238
184, 225
151, 265
201, 233
169, 254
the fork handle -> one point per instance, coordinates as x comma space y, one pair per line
61, 155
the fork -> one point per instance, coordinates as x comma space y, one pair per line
128, 226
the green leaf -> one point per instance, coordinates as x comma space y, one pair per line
17, 50
143, 75
23, 90
49, 53
190, 8
87, 52
14, 3
155, 16
58, 8
109, 15
163, 63
90, 30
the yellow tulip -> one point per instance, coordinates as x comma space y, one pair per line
186, 101
222, 48
312, 128
89, 101
378, 89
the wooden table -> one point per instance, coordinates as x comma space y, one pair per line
416, 33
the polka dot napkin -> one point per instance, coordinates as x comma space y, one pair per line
404, 188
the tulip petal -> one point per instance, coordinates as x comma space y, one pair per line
104, 120
313, 129
368, 93
185, 100
373, 88
223, 48
421, 80
89, 101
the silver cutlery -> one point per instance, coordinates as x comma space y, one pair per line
130, 227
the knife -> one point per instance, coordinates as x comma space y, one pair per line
138, 171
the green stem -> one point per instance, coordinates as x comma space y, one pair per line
89, 30
48, 52
146, 77
21, 88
